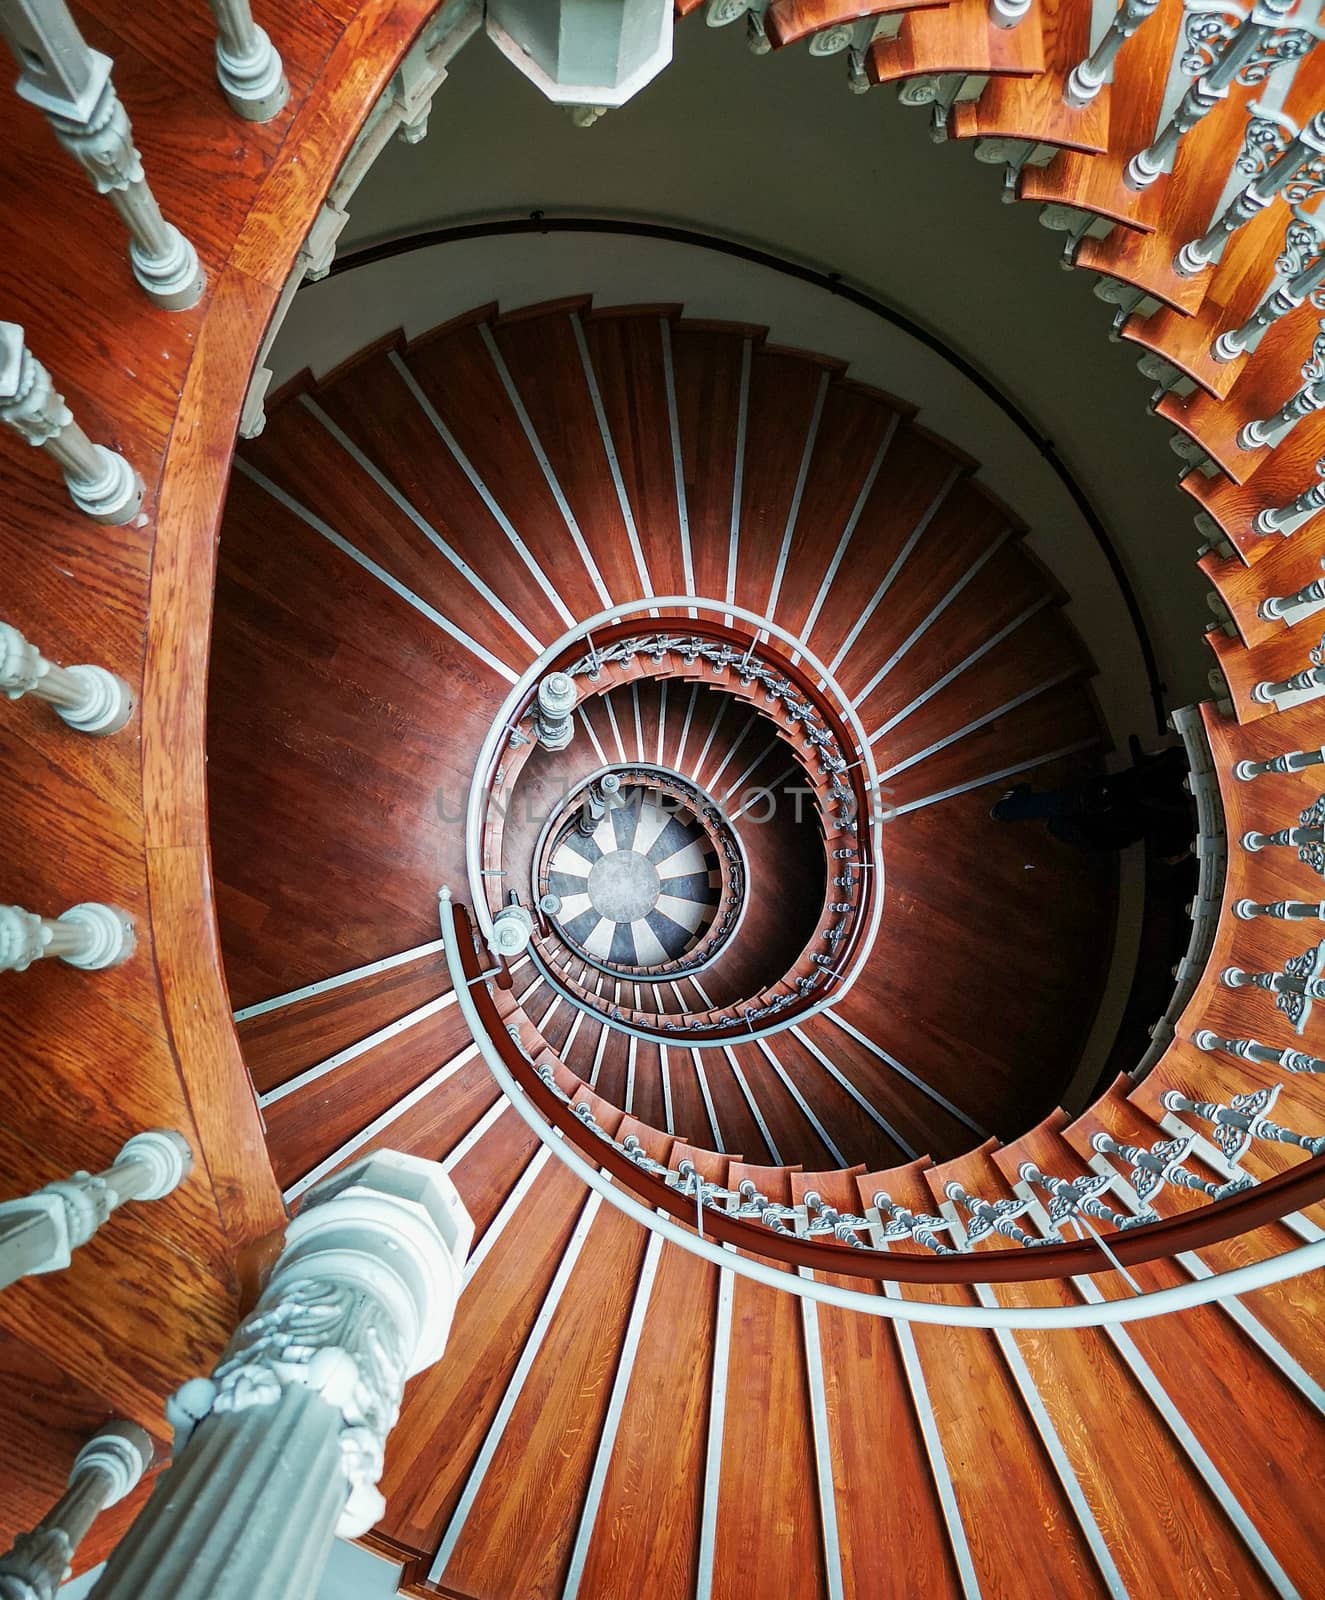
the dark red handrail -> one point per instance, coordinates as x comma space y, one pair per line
1267, 1202
676, 620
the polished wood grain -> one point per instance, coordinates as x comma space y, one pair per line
1276, 480
1094, 182
786, 21
782, 401
768, 1530
154, 1044
1034, 108
1019, 1528
515, 1542
447, 1410
541, 354
318, 720
1271, 377
958, 37
647, 1529
280, 1043
1160, 1522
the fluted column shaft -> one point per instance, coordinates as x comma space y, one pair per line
282, 1448
248, 1510
107, 1468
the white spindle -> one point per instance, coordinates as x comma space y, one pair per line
90, 936
248, 67
40, 1232
71, 83
101, 483
281, 1449
87, 698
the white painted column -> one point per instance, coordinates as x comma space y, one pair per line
248, 67
100, 482
87, 698
91, 936
106, 1469
40, 1232
281, 1449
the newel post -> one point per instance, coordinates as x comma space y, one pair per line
281, 1449
554, 709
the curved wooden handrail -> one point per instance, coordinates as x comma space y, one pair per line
1267, 1202
242, 296
808, 689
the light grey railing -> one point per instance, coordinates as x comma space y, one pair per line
1301, 266
40, 1231
1223, 45
1279, 158
108, 1467
881, 1223
89, 699
1298, 686
1286, 520
1273, 430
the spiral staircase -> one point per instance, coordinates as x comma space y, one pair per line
778, 586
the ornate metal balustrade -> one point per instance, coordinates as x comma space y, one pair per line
803, 697
821, 1238
1223, 45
